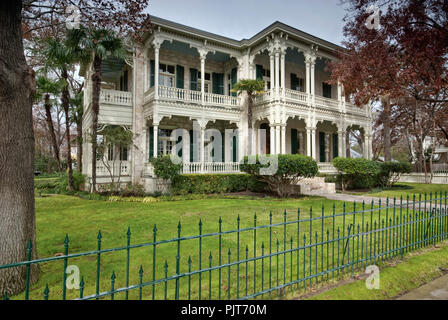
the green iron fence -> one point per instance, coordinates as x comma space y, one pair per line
256, 260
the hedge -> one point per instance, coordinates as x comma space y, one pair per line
213, 183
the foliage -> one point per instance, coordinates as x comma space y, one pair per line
390, 172
211, 183
291, 168
250, 86
351, 170
61, 186
167, 167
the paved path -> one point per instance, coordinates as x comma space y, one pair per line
435, 290
351, 198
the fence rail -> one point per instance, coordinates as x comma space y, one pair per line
298, 251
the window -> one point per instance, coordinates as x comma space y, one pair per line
165, 145
326, 90
167, 75
297, 83
110, 152
123, 154
207, 83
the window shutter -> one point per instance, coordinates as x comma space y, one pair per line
180, 77
152, 71
259, 72
335, 145
322, 146
294, 141
151, 142
194, 79
293, 81
218, 83
234, 78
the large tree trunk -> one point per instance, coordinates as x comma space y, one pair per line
65, 101
49, 119
386, 129
96, 88
17, 87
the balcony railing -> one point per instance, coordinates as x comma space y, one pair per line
121, 98
116, 168
326, 102
192, 96
211, 167
296, 95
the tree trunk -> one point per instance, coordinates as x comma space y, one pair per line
17, 88
65, 101
386, 129
96, 88
49, 120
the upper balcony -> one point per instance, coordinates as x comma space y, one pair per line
115, 107
186, 97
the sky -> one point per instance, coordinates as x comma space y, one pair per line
242, 19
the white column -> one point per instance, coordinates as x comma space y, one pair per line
272, 139
283, 139
277, 140
308, 141
272, 71
366, 147
283, 67
203, 78
307, 79
341, 139
313, 92
156, 133
202, 148
156, 71
313, 143
277, 73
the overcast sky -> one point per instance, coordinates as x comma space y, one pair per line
239, 19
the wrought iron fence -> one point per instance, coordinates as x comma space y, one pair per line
299, 251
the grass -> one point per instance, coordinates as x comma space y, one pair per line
81, 219
417, 269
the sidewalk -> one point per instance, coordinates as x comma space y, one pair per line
352, 198
435, 290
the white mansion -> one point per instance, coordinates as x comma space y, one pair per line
181, 78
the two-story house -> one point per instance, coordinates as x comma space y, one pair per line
181, 78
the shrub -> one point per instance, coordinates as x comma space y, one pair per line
210, 183
359, 170
78, 182
390, 172
166, 167
290, 169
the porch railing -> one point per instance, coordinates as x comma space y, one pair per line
121, 98
211, 167
192, 96
123, 168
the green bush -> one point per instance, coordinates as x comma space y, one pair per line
211, 183
289, 170
356, 173
390, 172
166, 168
78, 182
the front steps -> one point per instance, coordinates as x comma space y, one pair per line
316, 186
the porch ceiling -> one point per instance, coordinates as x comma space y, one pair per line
184, 48
111, 68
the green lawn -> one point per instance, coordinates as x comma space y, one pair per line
81, 219
395, 280
409, 189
